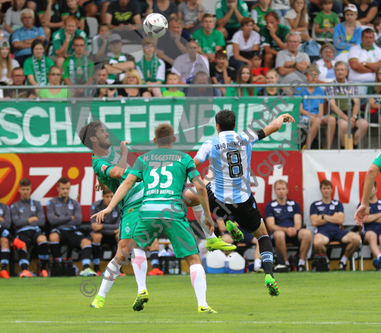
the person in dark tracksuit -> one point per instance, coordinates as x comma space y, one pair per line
107, 232
28, 217
64, 215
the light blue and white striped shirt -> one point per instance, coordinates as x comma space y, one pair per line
229, 157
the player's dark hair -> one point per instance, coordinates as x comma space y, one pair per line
88, 131
63, 180
225, 119
164, 134
25, 182
106, 191
325, 182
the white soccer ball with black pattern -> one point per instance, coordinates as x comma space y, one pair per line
155, 25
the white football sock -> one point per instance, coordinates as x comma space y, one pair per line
139, 264
301, 262
344, 260
198, 280
111, 273
200, 217
379, 257
257, 263
287, 263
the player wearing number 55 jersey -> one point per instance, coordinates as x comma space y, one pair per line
229, 191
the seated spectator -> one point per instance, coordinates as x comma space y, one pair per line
18, 79
64, 215
49, 14
314, 6
23, 38
189, 64
73, 9
167, 8
327, 216
6, 61
312, 110
202, 78
326, 20
191, 12
245, 41
78, 69
272, 77
229, 14
273, 38
284, 222
12, 17
259, 72
173, 79
37, 66
377, 31
291, 61
363, 60
340, 107
326, 65
118, 61
372, 227
54, 78
280, 7
296, 19
99, 43
100, 78
249, 240
244, 76
151, 69
349, 29
132, 77
63, 40
28, 218
123, 16
258, 13
173, 43
220, 72
375, 103
367, 12
209, 39
107, 231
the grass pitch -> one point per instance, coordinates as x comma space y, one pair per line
309, 302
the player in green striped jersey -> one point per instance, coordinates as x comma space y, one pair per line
164, 172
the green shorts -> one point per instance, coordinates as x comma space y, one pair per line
179, 233
128, 222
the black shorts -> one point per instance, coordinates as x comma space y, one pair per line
29, 237
246, 214
73, 238
107, 237
293, 240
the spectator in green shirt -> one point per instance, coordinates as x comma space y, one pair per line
63, 40
244, 76
273, 38
78, 69
55, 77
173, 78
326, 20
229, 14
258, 12
209, 39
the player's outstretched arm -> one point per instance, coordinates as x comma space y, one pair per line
118, 196
204, 201
363, 211
276, 124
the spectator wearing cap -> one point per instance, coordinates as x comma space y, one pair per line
290, 63
245, 41
173, 43
349, 29
23, 38
189, 64
6, 61
63, 40
273, 38
229, 14
209, 39
364, 59
118, 61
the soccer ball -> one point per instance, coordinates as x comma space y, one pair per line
155, 25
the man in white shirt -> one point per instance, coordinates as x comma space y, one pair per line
289, 62
363, 60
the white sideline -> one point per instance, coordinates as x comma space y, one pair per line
187, 322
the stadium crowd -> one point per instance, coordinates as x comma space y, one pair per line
47, 43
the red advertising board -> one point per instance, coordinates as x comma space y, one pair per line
45, 169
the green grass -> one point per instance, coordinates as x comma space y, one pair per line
309, 302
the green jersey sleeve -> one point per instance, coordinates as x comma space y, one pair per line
28, 67
377, 161
137, 169
65, 68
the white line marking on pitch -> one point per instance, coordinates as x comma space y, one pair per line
189, 322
